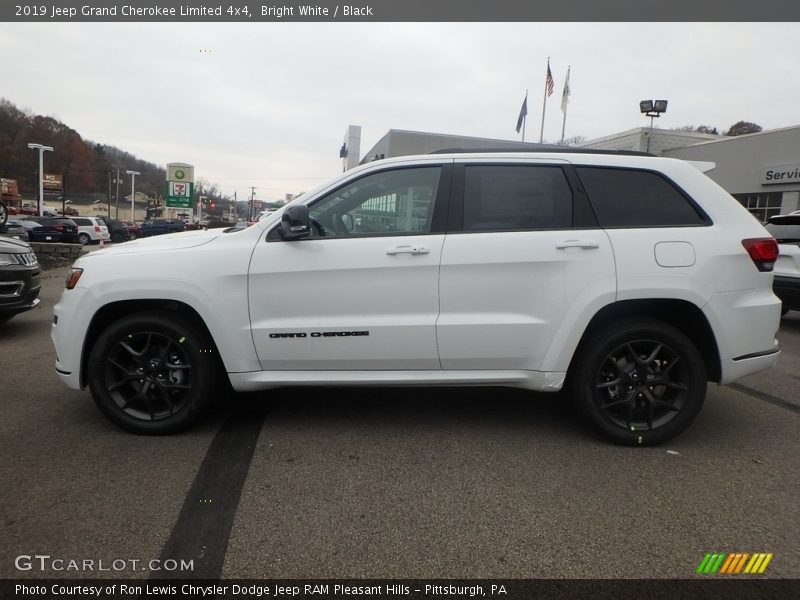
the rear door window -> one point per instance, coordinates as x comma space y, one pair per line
516, 198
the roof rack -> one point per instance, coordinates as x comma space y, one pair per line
543, 148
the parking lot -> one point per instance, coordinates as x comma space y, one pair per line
442, 483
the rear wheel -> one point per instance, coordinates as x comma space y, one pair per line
639, 381
153, 373
84, 238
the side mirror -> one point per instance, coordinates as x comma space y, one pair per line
295, 223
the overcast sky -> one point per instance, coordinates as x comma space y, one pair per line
267, 105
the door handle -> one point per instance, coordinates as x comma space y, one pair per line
585, 244
408, 250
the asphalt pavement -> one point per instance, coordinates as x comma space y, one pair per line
388, 483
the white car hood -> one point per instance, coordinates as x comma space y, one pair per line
159, 243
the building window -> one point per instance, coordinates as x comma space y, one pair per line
762, 206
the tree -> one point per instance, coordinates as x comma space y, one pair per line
742, 128
707, 129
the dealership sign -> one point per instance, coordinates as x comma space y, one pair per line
53, 181
782, 174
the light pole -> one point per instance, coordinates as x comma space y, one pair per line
133, 175
652, 109
42, 149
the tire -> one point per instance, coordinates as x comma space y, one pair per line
84, 239
639, 382
3, 214
153, 373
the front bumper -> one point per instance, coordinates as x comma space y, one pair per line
19, 289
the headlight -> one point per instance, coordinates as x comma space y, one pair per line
8, 259
73, 277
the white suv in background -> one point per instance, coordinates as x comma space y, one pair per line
91, 230
630, 279
786, 230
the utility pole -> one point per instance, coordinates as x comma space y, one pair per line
117, 195
252, 203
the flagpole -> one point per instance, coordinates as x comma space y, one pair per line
544, 104
564, 102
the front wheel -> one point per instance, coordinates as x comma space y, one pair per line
639, 381
153, 373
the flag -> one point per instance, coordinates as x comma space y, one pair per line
549, 81
523, 112
565, 93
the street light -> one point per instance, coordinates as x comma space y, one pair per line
42, 149
133, 175
652, 109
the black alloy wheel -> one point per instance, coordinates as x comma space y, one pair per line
153, 373
640, 382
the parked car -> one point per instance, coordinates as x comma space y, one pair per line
629, 279
134, 229
41, 232
14, 228
786, 230
116, 229
19, 278
161, 226
91, 230
64, 225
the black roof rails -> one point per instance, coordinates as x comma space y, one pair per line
543, 148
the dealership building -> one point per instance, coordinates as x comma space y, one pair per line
761, 170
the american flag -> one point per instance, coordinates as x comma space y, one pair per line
549, 81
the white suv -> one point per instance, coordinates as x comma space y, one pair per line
631, 279
91, 230
786, 230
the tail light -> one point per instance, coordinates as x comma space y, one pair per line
58, 227
763, 251
97, 228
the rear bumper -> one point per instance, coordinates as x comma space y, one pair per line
745, 323
747, 365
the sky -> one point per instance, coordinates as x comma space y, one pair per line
267, 104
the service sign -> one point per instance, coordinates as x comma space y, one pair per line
785, 174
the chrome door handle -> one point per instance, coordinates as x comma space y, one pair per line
408, 250
585, 244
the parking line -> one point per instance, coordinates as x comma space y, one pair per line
764, 396
203, 528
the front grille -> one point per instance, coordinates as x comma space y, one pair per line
28, 259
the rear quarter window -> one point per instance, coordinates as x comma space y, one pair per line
635, 198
